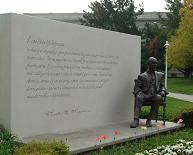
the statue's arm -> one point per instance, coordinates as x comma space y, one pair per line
163, 89
138, 85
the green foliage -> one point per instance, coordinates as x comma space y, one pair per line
186, 116
115, 15
180, 54
172, 21
7, 144
173, 108
181, 85
153, 40
43, 148
154, 36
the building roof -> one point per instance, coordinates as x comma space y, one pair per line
74, 17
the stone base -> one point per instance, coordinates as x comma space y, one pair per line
1, 127
85, 140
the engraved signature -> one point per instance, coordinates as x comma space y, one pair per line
53, 113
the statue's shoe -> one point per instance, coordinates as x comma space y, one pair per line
148, 123
134, 124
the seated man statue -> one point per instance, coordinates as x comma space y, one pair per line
149, 87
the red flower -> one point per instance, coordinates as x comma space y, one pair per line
105, 137
99, 138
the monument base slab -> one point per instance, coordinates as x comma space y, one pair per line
85, 140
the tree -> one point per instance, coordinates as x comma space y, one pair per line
115, 15
153, 37
180, 54
172, 21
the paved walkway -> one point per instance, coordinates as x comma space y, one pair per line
182, 96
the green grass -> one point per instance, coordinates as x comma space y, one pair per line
173, 108
43, 148
181, 85
9, 146
7, 143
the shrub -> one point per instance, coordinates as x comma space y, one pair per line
43, 148
7, 142
186, 116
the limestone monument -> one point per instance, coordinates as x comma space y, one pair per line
60, 77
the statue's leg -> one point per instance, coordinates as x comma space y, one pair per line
156, 100
137, 108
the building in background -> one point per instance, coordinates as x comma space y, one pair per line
175, 73
146, 17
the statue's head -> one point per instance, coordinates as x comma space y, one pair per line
152, 63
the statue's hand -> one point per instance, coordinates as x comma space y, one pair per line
140, 93
162, 93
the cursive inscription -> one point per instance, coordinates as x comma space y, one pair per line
52, 70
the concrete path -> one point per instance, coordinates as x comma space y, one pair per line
182, 96
85, 140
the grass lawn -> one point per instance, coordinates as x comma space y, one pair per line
173, 108
180, 85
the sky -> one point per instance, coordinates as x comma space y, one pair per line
65, 6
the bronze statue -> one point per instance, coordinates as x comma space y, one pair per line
149, 87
